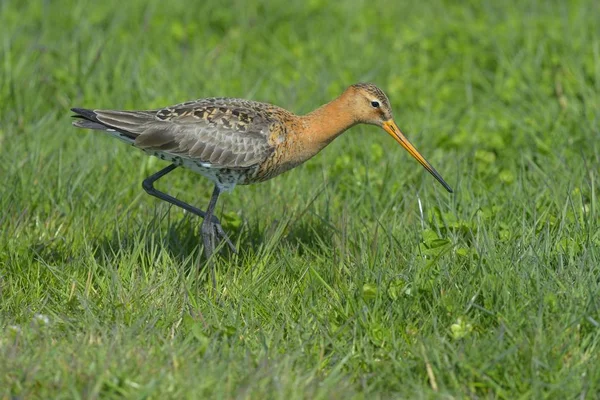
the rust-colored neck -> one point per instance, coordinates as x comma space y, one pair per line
307, 135
326, 123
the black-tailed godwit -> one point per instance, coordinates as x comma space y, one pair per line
235, 141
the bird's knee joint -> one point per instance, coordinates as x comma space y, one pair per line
147, 185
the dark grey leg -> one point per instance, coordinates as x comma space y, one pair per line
148, 185
209, 232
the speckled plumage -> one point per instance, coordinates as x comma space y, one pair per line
235, 141
224, 139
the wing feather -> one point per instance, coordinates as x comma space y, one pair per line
222, 132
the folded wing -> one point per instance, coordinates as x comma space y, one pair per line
221, 134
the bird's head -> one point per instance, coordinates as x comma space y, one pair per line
370, 105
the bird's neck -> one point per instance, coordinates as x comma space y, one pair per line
308, 134
326, 123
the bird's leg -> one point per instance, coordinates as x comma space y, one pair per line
209, 231
148, 185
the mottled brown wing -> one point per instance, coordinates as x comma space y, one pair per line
222, 133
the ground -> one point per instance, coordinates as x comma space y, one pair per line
358, 276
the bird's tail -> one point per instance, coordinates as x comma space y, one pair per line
124, 125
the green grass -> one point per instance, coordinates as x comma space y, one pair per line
342, 288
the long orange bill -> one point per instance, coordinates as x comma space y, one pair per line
391, 128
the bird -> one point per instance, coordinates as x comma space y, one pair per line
233, 141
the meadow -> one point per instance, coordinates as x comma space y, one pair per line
358, 275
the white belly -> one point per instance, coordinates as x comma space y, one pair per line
224, 178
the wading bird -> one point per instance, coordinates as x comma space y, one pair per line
234, 141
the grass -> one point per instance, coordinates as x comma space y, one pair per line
343, 288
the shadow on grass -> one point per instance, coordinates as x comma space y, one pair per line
305, 237
310, 233
181, 240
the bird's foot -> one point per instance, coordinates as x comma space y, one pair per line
212, 233
220, 234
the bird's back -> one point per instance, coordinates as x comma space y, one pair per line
213, 136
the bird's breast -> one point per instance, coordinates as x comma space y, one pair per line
290, 149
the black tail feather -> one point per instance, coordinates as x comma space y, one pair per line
84, 113
91, 121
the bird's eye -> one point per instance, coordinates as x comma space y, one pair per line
375, 104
